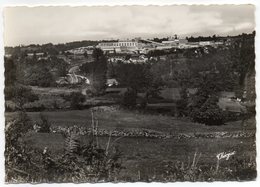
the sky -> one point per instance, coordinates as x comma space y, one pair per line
61, 24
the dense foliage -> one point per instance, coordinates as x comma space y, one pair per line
76, 100
129, 99
96, 71
78, 163
209, 113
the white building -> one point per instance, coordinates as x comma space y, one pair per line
120, 46
206, 43
141, 45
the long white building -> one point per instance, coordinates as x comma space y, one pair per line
120, 46
144, 46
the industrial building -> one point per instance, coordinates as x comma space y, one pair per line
120, 46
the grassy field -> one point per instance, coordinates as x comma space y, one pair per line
53, 90
146, 157
121, 119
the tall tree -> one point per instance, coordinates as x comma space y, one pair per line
133, 76
138, 78
96, 71
10, 71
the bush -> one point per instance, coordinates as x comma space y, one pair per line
182, 107
78, 163
20, 95
20, 126
15, 154
66, 97
76, 100
44, 124
129, 99
209, 113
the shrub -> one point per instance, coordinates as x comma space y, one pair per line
182, 108
66, 97
129, 99
16, 157
76, 100
20, 126
20, 94
209, 113
79, 163
141, 102
44, 124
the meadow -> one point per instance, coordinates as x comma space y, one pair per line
151, 159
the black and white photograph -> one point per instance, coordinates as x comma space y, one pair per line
100, 94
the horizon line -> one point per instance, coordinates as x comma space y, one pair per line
109, 39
